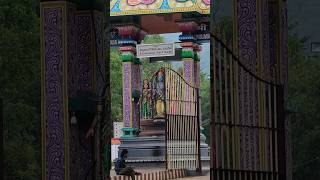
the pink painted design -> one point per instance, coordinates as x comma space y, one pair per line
187, 27
206, 2
126, 31
137, 2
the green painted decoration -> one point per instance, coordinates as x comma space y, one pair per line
187, 54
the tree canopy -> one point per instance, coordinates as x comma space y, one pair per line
20, 87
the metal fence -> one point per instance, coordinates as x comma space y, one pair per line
247, 120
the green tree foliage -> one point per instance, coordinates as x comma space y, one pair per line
116, 85
20, 87
205, 105
304, 100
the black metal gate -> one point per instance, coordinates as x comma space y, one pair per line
178, 102
247, 121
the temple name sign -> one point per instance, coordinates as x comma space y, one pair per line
155, 50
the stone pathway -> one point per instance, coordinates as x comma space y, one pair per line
196, 178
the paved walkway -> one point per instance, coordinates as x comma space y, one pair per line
205, 177
196, 178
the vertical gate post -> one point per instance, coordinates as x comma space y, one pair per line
1, 140
199, 170
281, 134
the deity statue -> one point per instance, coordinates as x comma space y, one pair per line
146, 100
160, 109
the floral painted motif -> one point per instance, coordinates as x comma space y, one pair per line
137, 2
206, 2
181, 3
136, 5
204, 5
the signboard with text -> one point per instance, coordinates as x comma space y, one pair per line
203, 32
114, 37
155, 50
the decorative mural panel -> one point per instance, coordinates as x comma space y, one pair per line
85, 61
247, 32
130, 5
53, 92
135, 7
127, 94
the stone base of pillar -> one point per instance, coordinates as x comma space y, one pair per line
130, 132
146, 152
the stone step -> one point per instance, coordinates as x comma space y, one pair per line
144, 133
160, 175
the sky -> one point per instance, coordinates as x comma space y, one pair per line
204, 54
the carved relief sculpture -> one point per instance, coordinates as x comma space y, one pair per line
146, 100
160, 109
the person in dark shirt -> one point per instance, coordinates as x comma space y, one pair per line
122, 169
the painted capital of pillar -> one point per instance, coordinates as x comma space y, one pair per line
130, 35
188, 46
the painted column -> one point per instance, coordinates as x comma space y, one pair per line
252, 44
86, 74
188, 46
68, 55
56, 52
246, 44
130, 35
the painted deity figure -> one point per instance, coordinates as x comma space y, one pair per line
160, 108
146, 100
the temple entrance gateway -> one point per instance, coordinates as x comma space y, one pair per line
160, 127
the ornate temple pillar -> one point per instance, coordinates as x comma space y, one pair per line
90, 78
57, 50
71, 51
188, 50
91, 65
130, 36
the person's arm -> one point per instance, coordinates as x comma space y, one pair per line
123, 163
90, 132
